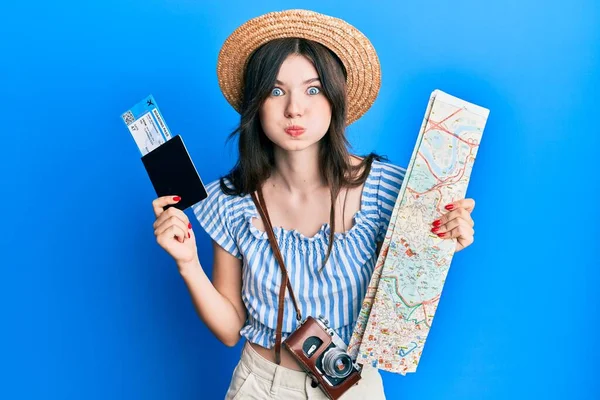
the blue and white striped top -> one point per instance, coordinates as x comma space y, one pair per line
337, 291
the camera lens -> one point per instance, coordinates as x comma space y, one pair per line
337, 363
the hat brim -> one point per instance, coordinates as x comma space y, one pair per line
348, 43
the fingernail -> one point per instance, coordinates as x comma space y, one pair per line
449, 207
441, 234
434, 230
437, 222
176, 198
190, 225
189, 235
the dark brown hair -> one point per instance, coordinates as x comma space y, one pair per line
256, 152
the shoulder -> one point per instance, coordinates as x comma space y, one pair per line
387, 176
217, 216
381, 169
217, 201
214, 190
387, 179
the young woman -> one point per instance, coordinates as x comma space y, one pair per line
298, 78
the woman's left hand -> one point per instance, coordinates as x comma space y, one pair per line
457, 223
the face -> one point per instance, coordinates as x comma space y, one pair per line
296, 101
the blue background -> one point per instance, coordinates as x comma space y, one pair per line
92, 308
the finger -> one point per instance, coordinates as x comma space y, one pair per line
461, 232
459, 213
171, 221
172, 233
467, 204
171, 212
159, 204
447, 227
174, 223
464, 241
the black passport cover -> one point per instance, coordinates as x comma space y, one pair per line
173, 173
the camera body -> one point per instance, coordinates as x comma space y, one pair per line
323, 355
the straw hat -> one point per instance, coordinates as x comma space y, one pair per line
348, 43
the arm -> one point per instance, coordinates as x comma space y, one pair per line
219, 304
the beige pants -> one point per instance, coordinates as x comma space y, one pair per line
255, 378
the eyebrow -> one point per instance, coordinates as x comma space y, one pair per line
304, 83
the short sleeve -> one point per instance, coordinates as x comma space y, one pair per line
214, 215
390, 182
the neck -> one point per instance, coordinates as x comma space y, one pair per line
298, 171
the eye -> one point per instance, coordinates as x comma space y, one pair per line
276, 92
314, 90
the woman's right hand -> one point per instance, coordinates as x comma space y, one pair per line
173, 230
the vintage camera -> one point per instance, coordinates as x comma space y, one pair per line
323, 354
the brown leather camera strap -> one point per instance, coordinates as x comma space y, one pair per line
264, 214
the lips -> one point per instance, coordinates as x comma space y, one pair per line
294, 130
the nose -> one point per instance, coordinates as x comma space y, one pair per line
294, 107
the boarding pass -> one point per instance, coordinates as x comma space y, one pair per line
146, 124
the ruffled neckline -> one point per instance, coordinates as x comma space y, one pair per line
322, 234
